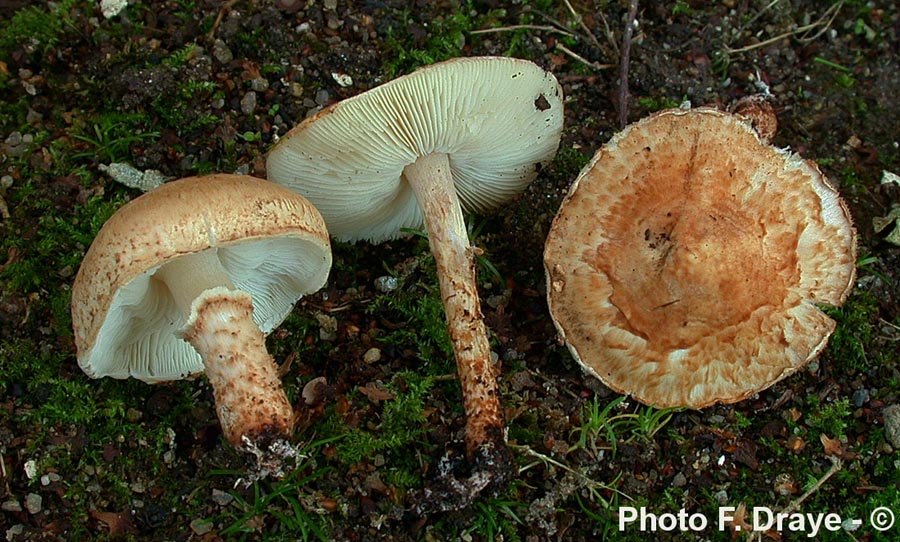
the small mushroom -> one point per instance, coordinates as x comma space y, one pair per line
463, 135
187, 279
689, 260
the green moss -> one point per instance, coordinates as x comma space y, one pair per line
419, 313
569, 161
401, 424
35, 25
446, 38
54, 245
854, 331
657, 104
829, 418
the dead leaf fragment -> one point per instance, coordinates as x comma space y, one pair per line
832, 446
117, 522
376, 393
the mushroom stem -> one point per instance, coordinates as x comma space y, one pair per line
251, 404
430, 178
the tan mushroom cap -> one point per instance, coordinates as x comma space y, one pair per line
687, 264
271, 243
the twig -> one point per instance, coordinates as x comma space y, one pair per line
830, 14
212, 31
580, 21
576, 56
554, 22
795, 504
623, 63
609, 35
834, 8
758, 14
546, 28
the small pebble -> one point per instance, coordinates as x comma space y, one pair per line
222, 498
372, 355
221, 52
260, 84
11, 506
327, 326
386, 284
33, 116
31, 469
721, 497
322, 97
891, 416
314, 390
14, 139
133, 415
680, 480
34, 503
860, 397
248, 103
201, 526
49, 478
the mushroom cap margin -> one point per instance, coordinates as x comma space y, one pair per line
255, 226
634, 350
499, 119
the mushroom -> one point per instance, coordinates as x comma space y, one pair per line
462, 135
187, 279
689, 260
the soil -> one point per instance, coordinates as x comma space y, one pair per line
832, 73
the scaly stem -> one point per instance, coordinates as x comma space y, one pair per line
432, 183
251, 405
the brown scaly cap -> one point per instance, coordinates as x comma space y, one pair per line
119, 312
687, 264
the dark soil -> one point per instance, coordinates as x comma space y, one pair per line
212, 84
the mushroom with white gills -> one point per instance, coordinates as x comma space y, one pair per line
462, 135
186, 279
689, 260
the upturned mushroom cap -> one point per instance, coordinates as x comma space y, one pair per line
498, 119
271, 243
688, 262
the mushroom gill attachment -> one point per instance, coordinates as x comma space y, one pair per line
187, 279
689, 260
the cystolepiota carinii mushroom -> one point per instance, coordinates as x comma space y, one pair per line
688, 262
186, 279
463, 135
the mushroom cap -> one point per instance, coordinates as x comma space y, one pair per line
271, 243
688, 261
499, 119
